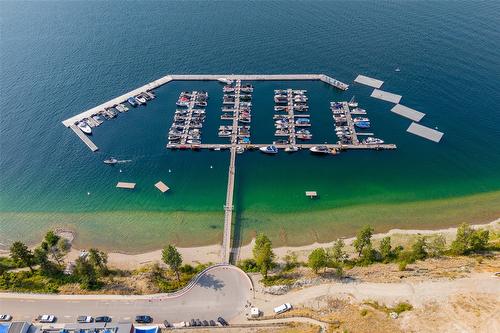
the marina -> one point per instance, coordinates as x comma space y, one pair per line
188, 119
386, 96
425, 132
408, 112
368, 81
289, 101
141, 95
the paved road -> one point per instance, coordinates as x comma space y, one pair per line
220, 291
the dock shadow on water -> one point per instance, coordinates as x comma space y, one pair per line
237, 222
209, 281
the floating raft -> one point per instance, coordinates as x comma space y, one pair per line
408, 112
425, 132
162, 187
386, 96
311, 194
129, 186
368, 81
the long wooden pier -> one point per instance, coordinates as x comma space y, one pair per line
228, 207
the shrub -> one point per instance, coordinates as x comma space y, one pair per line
249, 266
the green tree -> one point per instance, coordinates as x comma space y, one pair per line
469, 240
338, 254
99, 260
86, 274
419, 248
291, 261
386, 249
173, 259
318, 259
368, 255
436, 246
51, 238
263, 253
363, 239
20, 253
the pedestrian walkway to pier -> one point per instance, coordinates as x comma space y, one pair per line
425, 132
386, 96
368, 81
408, 112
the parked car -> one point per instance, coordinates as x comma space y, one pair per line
144, 319
198, 322
84, 319
205, 323
167, 324
192, 322
103, 319
5, 317
212, 323
222, 321
282, 308
46, 318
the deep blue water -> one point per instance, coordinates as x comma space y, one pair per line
60, 58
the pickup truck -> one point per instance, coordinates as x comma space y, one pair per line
282, 308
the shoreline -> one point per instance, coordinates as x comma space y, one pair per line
136, 232
211, 253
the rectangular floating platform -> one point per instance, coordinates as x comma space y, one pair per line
408, 112
425, 132
368, 81
162, 187
386, 96
129, 186
311, 194
84, 138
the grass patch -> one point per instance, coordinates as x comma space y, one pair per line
277, 280
399, 308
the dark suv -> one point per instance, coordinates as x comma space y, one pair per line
143, 319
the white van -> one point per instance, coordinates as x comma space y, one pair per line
282, 308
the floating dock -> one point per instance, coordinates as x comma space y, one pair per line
368, 81
408, 112
311, 194
129, 186
162, 187
83, 137
425, 132
256, 146
386, 96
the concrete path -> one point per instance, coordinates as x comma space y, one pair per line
222, 290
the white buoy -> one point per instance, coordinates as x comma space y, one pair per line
120, 170
211, 167
88, 193
169, 170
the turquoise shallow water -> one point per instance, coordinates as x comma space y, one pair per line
61, 58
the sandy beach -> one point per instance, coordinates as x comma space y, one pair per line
211, 253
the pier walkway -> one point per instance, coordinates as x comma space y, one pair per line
83, 137
337, 146
350, 123
228, 207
